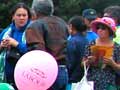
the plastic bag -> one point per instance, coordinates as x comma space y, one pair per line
84, 84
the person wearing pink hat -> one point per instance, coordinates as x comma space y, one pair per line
102, 55
105, 21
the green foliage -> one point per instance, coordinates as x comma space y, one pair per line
4, 11
5, 7
63, 8
68, 8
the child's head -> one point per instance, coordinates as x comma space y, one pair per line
76, 23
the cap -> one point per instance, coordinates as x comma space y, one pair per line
89, 14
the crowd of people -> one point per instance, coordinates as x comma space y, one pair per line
85, 38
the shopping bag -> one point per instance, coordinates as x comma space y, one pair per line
84, 84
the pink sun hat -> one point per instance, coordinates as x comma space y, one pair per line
107, 21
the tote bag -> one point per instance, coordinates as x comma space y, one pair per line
84, 84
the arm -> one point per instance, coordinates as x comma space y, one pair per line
116, 66
88, 58
14, 43
35, 39
112, 63
71, 56
3, 42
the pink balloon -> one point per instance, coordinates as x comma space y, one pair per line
35, 70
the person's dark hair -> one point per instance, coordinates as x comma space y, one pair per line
20, 5
113, 12
78, 23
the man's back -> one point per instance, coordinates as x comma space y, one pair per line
48, 34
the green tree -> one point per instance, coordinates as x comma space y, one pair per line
68, 8
63, 8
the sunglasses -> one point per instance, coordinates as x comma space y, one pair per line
102, 27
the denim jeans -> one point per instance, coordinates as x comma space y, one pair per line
62, 79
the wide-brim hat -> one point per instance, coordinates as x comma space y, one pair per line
107, 21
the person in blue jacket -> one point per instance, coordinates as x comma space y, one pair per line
12, 40
75, 49
89, 15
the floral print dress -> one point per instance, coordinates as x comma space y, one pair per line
103, 77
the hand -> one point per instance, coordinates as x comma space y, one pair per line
108, 61
12, 41
4, 43
89, 60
